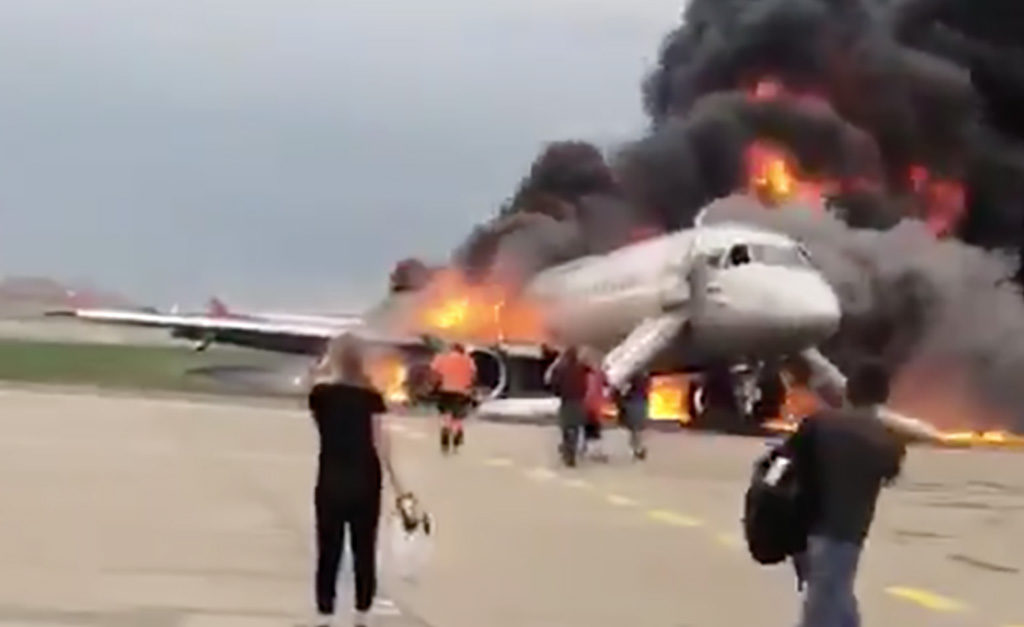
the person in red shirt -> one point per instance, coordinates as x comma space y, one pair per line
567, 378
455, 372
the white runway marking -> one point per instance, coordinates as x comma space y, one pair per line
620, 501
541, 474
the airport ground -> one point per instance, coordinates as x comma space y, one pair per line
122, 511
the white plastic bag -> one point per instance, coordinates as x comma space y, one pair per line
408, 551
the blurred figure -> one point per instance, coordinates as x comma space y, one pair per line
567, 376
354, 446
632, 407
593, 400
842, 458
456, 374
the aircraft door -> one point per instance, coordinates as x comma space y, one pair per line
675, 289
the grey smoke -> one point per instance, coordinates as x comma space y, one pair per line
909, 298
873, 87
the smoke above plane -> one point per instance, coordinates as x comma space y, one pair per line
887, 119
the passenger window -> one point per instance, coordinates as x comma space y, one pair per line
739, 255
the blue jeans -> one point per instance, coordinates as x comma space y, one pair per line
634, 415
572, 415
829, 600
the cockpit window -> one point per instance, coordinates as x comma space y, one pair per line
767, 254
739, 255
773, 255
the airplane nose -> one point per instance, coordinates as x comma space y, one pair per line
813, 306
770, 309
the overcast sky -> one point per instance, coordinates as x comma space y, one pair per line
286, 153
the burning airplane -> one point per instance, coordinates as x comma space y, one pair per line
865, 133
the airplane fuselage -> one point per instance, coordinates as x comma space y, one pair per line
745, 294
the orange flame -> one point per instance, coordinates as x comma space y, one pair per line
942, 201
455, 308
389, 375
666, 398
668, 393
938, 395
772, 176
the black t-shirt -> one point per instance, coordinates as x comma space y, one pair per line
844, 457
348, 462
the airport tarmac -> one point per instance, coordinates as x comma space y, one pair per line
121, 511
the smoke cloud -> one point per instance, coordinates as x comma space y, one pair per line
907, 109
917, 302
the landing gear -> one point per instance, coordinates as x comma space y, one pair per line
735, 402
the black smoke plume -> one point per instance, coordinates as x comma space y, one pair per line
909, 108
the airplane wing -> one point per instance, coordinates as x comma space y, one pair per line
281, 336
830, 383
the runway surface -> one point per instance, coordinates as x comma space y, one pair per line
123, 512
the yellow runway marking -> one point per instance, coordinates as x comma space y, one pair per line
927, 599
619, 500
498, 462
728, 540
541, 474
673, 518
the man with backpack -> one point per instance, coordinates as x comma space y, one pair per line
814, 498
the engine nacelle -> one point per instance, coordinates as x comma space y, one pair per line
492, 371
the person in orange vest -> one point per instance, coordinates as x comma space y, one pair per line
456, 373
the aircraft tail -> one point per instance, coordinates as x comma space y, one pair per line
217, 309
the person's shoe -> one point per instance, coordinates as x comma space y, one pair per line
568, 456
457, 442
640, 453
445, 440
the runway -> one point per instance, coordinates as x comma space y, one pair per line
121, 511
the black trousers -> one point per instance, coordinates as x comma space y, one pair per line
361, 517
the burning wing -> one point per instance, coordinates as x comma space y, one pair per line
830, 383
306, 339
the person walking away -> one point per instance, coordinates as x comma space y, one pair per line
567, 376
633, 408
842, 459
593, 400
354, 447
456, 374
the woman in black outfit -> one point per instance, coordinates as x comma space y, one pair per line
353, 448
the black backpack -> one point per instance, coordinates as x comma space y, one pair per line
774, 520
